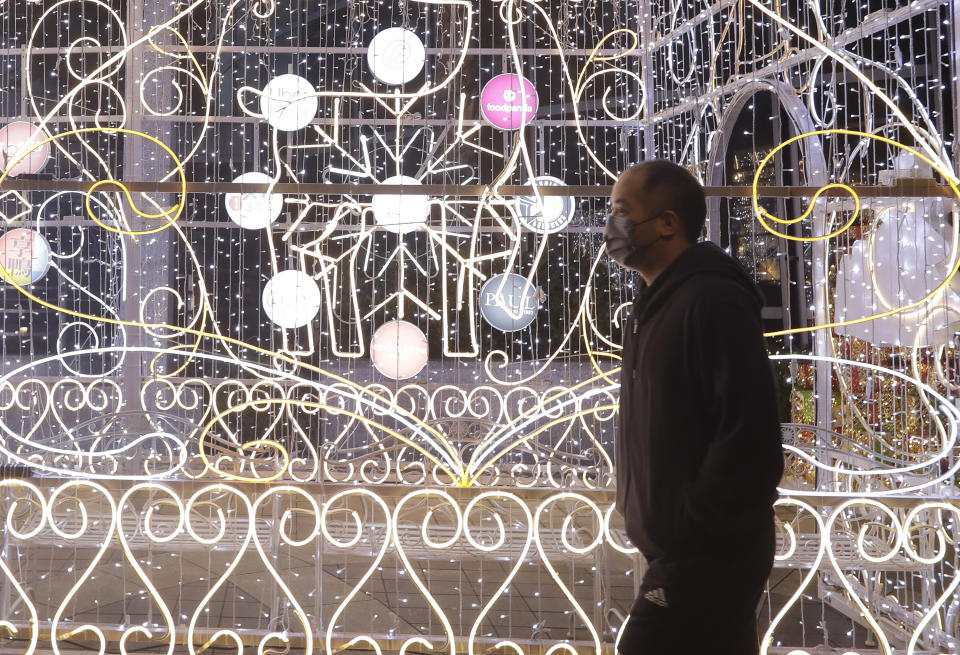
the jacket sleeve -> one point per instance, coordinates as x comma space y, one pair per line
735, 482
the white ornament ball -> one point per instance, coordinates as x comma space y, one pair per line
291, 299
396, 55
254, 211
401, 213
289, 102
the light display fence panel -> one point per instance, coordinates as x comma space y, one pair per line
310, 341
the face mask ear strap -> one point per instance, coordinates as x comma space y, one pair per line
652, 218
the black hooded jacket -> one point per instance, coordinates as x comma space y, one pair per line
699, 453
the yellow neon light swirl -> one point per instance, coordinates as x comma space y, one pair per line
173, 213
763, 215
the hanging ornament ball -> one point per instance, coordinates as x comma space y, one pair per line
289, 102
254, 211
548, 214
509, 101
508, 302
16, 141
401, 213
399, 349
291, 299
25, 256
396, 55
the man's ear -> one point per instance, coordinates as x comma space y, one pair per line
671, 224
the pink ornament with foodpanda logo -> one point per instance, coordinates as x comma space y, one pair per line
509, 101
16, 140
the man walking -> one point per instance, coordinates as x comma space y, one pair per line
698, 456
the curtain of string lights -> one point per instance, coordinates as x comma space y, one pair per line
309, 341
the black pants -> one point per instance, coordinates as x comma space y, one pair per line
699, 605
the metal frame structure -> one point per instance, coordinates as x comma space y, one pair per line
209, 488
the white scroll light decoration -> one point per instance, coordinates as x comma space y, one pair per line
25, 255
289, 102
399, 349
899, 263
396, 55
254, 211
401, 213
291, 299
508, 302
15, 140
546, 214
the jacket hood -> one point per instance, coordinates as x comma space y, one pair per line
701, 259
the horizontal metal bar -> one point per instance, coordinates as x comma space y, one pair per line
407, 119
281, 226
318, 50
469, 190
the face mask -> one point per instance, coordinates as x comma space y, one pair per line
618, 235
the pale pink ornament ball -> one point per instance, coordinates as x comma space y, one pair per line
399, 349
